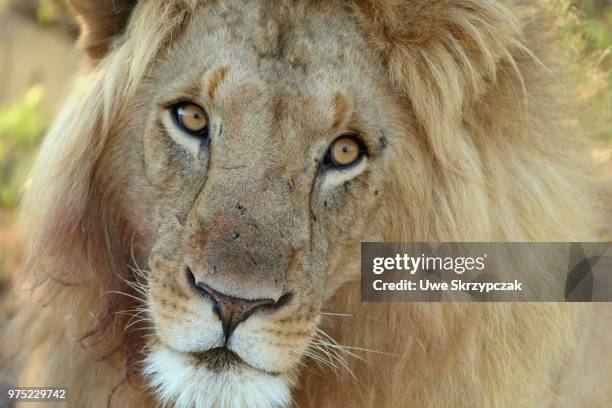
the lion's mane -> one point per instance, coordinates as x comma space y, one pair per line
482, 81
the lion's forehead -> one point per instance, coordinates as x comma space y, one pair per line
304, 51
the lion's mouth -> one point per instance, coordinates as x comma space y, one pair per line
221, 359
214, 378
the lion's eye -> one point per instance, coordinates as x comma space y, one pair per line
191, 118
345, 151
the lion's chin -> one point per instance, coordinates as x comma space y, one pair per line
177, 381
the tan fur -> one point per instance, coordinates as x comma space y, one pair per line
460, 105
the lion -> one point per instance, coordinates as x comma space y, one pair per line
195, 214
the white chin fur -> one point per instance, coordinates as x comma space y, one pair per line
176, 382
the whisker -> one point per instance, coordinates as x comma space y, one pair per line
344, 347
319, 360
130, 312
340, 359
137, 287
132, 315
336, 314
148, 328
126, 294
145, 319
337, 349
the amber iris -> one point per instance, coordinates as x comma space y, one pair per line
191, 118
345, 151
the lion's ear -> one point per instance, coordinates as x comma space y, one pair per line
101, 21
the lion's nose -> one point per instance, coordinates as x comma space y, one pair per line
231, 310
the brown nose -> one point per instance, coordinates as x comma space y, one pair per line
231, 310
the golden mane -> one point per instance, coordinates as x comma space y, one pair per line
505, 163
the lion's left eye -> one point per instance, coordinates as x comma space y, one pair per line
345, 151
191, 118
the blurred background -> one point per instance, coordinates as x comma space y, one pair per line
38, 58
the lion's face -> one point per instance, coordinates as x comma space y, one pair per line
264, 136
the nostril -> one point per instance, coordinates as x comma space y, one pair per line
217, 310
191, 279
283, 300
199, 287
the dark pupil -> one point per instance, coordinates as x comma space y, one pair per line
196, 115
345, 149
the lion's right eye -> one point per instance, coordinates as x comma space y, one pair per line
191, 118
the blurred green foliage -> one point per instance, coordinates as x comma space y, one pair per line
43, 12
586, 27
21, 125
47, 12
596, 22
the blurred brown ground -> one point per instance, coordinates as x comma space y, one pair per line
30, 54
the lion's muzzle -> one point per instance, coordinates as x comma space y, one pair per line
231, 310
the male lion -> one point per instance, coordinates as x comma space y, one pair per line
195, 215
